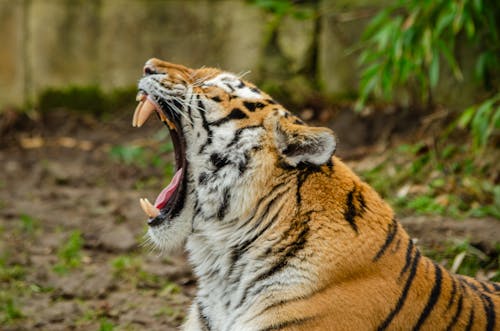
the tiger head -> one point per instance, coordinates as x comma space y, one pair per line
230, 140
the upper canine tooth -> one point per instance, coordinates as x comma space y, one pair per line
147, 109
148, 208
136, 113
144, 207
152, 209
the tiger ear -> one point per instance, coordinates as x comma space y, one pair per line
304, 144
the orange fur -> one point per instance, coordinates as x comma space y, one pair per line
365, 272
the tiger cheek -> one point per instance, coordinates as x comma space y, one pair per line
298, 144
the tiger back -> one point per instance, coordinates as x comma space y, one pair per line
281, 234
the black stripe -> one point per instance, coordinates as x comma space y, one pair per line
454, 320
255, 89
471, 319
453, 293
302, 176
433, 298
242, 165
240, 250
496, 286
225, 204
471, 285
203, 178
204, 318
190, 111
361, 201
288, 251
241, 84
351, 211
235, 114
216, 99
485, 287
404, 294
219, 161
489, 308
488, 305
391, 233
206, 126
229, 87
408, 258
237, 134
294, 299
290, 323
252, 106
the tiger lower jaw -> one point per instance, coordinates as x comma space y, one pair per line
171, 200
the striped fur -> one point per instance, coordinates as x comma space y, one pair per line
282, 235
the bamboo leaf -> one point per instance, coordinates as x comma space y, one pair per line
434, 70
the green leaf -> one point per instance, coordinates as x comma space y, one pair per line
443, 22
480, 124
381, 18
446, 50
466, 117
434, 70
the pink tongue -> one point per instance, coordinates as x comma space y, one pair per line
167, 192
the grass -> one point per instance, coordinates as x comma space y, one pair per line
419, 179
463, 258
70, 254
10, 311
106, 325
28, 224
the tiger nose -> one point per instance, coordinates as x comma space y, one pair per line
151, 67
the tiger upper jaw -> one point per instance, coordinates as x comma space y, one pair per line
170, 202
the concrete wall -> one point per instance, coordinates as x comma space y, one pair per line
59, 43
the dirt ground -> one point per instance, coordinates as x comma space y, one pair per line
64, 198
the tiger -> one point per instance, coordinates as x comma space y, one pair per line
280, 233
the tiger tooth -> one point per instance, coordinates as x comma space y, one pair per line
136, 113
147, 109
152, 209
144, 207
140, 96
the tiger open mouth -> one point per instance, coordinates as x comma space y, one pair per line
170, 201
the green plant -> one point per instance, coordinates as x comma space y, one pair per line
129, 154
406, 43
70, 255
106, 325
464, 258
122, 264
28, 224
482, 119
10, 310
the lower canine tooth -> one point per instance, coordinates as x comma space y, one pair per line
136, 113
169, 123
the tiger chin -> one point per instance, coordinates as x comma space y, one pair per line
281, 234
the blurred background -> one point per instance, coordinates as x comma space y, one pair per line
411, 89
